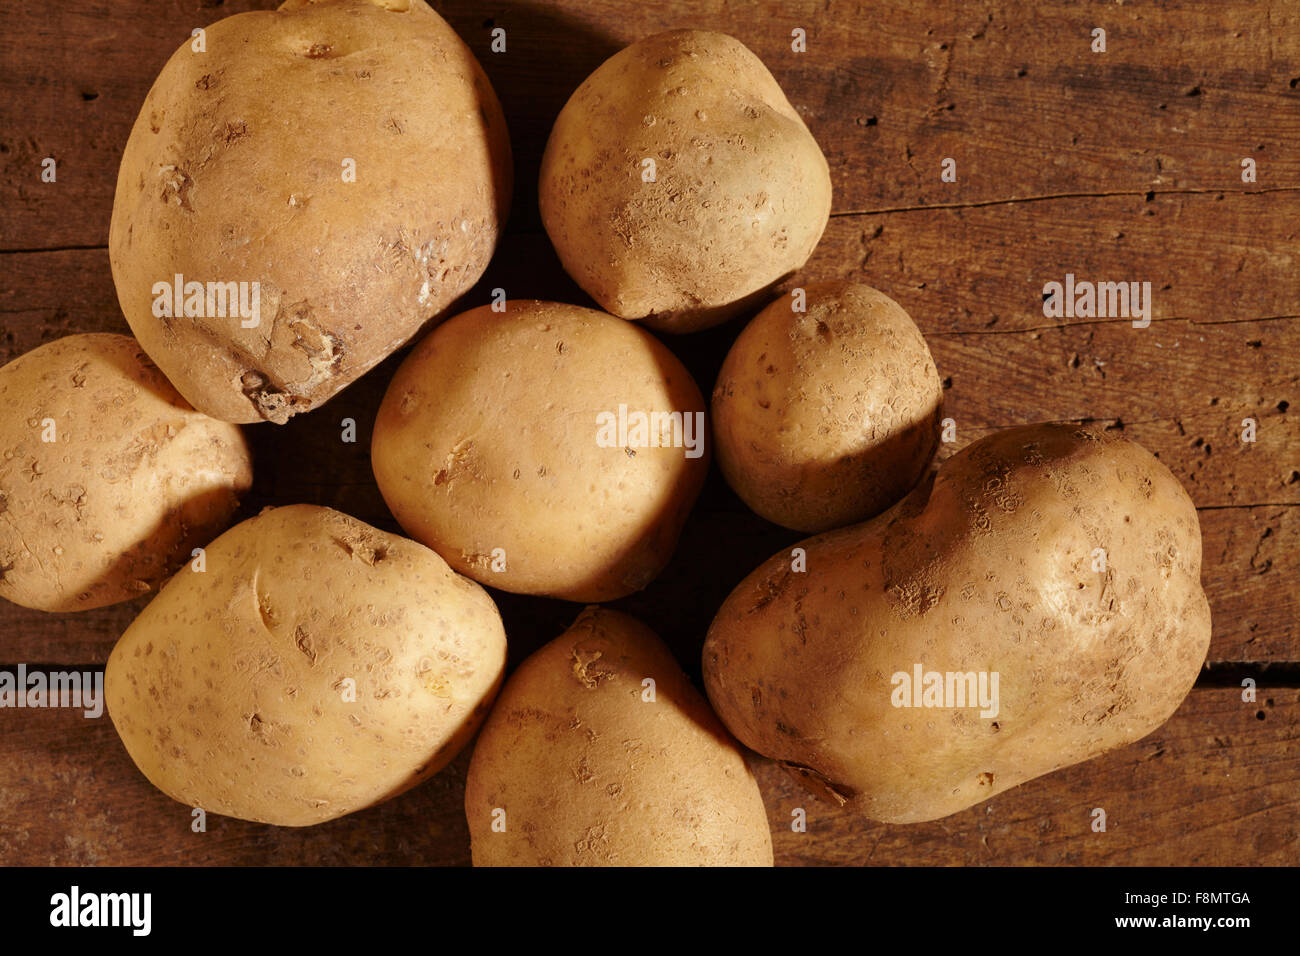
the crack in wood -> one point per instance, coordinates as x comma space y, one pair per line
1051, 197
1118, 321
1250, 504
33, 252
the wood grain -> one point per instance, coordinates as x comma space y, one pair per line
1178, 388
1217, 785
1183, 92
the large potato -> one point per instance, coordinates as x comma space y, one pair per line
827, 416
583, 763
316, 667
736, 200
108, 478
346, 159
489, 447
1061, 562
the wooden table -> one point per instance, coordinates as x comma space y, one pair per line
1123, 165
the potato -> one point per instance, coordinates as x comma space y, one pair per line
679, 184
341, 169
316, 667
827, 416
1039, 606
108, 477
583, 763
500, 443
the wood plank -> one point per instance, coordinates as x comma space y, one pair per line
1249, 576
1211, 262
75, 78
997, 380
1186, 406
1183, 92
1181, 95
1252, 582
1216, 785
1180, 387
69, 795
1212, 258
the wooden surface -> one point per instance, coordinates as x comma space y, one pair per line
1118, 166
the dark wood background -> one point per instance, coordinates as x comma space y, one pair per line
1123, 165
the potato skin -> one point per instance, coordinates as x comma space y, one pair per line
741, 194
228, 691
827, 417
992, 573
234, 172
134, 479
589, 773
486, 439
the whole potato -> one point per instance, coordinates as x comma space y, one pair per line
316, 667
827, 416
498, 445
585, 762
109, 478
679, 184
1039, 606
345, 161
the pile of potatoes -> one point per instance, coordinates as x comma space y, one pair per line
302, 665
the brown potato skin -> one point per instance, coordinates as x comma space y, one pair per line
227, 689
591, 774
486, 439
827, 417
234, 172
741, 195
991, 569
134, 480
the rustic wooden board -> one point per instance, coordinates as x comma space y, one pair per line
1248, 493
1183, 92
1115, 166
1252, 590
1218, 785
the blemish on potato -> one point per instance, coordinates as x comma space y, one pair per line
304, 644
586, 666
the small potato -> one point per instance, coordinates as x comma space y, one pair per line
1038, 606
316, 667
601, 753
679, 184
509, 443
298, 198
828, 416
109, 478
